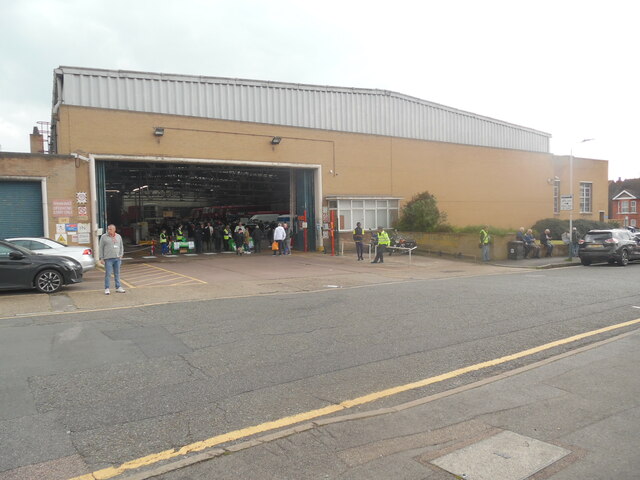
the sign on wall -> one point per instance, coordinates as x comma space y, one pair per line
566, 202
62, 208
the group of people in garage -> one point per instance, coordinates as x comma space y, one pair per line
218, 237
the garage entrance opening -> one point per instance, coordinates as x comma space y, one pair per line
140, 197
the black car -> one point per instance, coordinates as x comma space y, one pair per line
615, 245
21, 268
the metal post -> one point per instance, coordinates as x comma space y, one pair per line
572, 199
572, 202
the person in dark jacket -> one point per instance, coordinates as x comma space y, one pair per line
257, 236
217, 237
238, 238
207, 235
358, 236
197, 237
545, 239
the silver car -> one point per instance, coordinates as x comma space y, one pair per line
46, 246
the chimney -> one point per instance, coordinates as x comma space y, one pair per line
37, 141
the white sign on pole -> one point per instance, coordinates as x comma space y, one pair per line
566, 202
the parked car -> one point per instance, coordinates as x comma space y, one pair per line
45, 246
21, 268
615, 245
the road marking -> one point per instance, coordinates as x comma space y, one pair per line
175, 273
112, 472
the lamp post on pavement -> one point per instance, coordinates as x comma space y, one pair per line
571, 193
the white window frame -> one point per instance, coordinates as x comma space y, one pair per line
586, 197
633, 206
350, 210
623, 206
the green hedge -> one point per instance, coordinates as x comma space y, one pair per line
558, 227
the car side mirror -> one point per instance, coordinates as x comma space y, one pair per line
16, 255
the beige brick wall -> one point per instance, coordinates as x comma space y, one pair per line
473, 185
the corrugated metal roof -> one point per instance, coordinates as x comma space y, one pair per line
375, 112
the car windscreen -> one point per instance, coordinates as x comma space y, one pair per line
595, 237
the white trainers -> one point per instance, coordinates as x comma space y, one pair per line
106, 291
120, 290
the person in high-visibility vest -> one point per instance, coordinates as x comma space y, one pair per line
383, 242
164, 242
485, 239
179, 234
226, 235
358, 236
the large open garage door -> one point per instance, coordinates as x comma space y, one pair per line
141, 196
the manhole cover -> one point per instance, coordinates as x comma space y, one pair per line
505, 456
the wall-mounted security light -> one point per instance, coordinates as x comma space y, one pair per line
276, 140
158, 131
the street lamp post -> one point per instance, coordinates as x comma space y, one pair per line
571, 193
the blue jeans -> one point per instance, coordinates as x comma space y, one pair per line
485, 252
111, 265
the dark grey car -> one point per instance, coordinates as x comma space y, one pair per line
615, 245
21, 268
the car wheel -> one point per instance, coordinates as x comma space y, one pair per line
585, 261
624, 258
49, 281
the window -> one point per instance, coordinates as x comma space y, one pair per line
371, 213
633, 222
586, 189
633, 206
38, 245
623, 206
556, 196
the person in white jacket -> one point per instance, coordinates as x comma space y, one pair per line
279, 235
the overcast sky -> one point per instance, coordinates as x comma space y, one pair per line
568, 68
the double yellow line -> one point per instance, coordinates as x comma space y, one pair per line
112, 472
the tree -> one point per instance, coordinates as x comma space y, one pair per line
421, 214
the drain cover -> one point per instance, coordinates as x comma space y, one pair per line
505, 456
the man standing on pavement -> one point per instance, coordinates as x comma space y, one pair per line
111, 253
545, 239
485, 239
383, 242
575, 242
358, 236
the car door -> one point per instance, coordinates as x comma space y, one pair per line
15, 272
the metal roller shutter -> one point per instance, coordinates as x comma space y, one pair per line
20, 209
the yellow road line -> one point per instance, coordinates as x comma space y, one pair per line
112, 472
176, 273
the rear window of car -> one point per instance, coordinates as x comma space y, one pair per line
597, 236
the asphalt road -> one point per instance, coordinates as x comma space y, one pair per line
82, 393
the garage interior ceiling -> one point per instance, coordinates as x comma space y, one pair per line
209, 184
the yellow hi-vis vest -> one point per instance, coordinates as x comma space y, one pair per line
383, 238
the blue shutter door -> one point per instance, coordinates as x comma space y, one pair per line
20, 209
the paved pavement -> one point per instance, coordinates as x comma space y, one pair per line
572, 416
